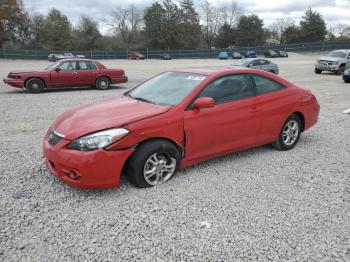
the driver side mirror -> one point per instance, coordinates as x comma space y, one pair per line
203, 102
57, 69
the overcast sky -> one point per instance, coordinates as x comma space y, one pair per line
333, 11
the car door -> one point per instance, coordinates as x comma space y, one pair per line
254, 64
264, 65
87, 72
66, 75
231, 124
274, 100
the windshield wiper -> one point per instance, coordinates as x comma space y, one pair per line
142, 99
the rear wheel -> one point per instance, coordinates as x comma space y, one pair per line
35, 85
103, 83
289, 134
154, 163
318, 71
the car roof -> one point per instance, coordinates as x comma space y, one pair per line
209, 70
76, 59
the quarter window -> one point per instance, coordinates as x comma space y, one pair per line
229, 88
66, 66
264, 85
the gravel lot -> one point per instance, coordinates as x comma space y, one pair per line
259, 204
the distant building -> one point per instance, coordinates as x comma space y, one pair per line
272, 41
346, 32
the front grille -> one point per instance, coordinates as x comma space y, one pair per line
53, 138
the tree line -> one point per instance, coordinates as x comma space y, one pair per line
162, 25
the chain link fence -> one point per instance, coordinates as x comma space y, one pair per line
196, 53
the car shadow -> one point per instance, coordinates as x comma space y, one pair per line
66, 89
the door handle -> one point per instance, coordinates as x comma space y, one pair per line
75, 73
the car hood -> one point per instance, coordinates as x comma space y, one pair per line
28, 72
108, 113
331, 58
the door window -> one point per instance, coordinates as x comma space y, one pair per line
264, 85
87, 65
71, 65
229, 88
264, 62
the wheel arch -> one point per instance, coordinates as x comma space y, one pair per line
35, 77
104, 75
301, 117
136, 146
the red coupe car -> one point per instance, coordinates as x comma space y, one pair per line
136, 56
67, 73
174, 120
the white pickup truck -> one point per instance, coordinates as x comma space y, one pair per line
334, 61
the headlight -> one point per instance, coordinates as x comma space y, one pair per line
99, 139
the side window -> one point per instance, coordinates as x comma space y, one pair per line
66, 66
229, 88
255, 63
264, 85
86, 65
264, 62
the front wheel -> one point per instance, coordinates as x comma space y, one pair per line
341, 70
289, 134
103, 83
154, 163
35, 85
318, 71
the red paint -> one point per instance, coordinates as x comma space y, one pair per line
71, 78
136, 56
202, 133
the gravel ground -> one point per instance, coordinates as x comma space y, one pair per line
259, 204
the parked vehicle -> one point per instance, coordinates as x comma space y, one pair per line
136, 56
68, 55
249, 54
80, 56
282, 53
165, 56
271, 54
55, 57
236, 55
223, 55
257, 63
334, 61
67, 73
174, 120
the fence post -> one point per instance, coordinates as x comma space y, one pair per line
322, 46
4, 53
147, 52
90, 54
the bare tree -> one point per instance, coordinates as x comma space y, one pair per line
231, 12
277, 27
126, 22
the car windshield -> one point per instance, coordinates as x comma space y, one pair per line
240, 63
168, 88
52, 66
337, 54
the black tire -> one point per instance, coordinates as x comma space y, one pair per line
273, 72
281, 143
35, 85
318, 71
347, 81
139, 161
103, 83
